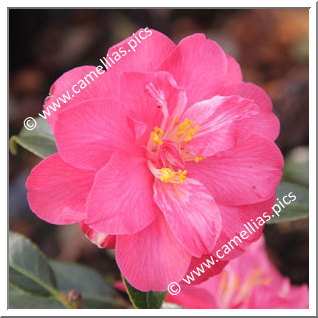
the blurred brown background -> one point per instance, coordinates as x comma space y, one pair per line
271, 46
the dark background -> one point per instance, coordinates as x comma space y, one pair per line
271, 46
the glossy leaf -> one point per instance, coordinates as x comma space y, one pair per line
19, 299
297, 209
95, 291
29, 269
31, 277
39, 141
296, 167
144, 300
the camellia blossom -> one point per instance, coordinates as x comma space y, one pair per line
163, 157
250, 281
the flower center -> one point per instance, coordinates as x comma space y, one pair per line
167, 153
168, 175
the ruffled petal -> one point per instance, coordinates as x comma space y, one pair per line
140, 57
152, 258
152, 99
250, 91
199, 65
248, 218
191, 213
218, 119
234, 72
246, 174
90, 132
57, 192
77, 85
121, 199
98, 238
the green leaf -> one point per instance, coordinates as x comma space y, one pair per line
30, 276
39, 141
296, 168
144, 300
95, 291
19, 299
298, 209
29, 269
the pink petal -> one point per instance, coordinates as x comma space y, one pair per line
191, 213
148, 54
100, 239
192, 297
147, 97
57, 192
234, 73
250, 91
264, 124
121, 199
219, 119
247, 174
264, 297
209, 272
97, 86
152, 258
233, 220
90, 132
199, 65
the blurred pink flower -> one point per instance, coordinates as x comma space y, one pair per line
163, 157
250, 281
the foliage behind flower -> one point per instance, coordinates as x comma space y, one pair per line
164, 157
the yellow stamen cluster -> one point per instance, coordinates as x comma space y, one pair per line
156, 135
187, 130
168, 175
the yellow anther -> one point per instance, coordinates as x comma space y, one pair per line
231, 283
198, 159
236, 284
188, 122
156, 135
182, 175
176, 120
223, 282
186, 129
180, 127
256, 279
167, 175
188, 137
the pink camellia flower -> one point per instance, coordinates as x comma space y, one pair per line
250, 281
163, 157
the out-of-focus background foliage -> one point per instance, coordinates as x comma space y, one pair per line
271, 46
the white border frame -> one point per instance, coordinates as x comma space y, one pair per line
312, 160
